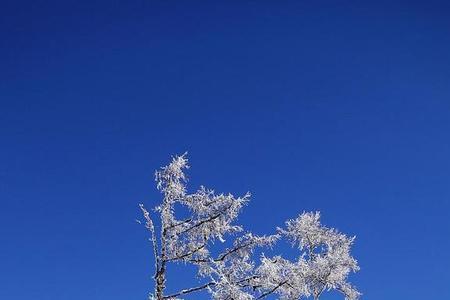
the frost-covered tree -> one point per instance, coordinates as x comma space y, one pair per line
233, 273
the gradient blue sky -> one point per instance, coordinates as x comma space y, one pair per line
337, 106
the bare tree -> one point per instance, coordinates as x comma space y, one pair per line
324, 261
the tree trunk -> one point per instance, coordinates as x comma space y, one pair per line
160, 282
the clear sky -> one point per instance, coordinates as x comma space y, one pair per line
337, 106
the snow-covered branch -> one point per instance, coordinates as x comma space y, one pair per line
324, 261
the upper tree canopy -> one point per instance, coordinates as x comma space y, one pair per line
234, 273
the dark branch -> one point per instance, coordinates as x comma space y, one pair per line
179, 223
187, 291
231, 251
212, 218
187, 254
272, 290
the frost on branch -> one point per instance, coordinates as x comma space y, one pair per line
324, 261
324, 264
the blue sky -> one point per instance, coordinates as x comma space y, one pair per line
337, 106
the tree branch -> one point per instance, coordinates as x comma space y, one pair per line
212, 218
272, 290
186, 291
237, 248
179, 223
149, 225
201, 223
186, 254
